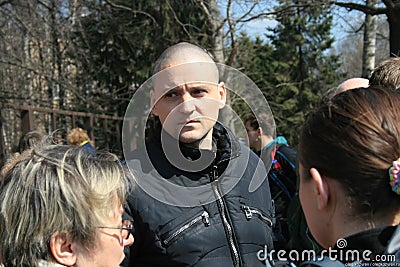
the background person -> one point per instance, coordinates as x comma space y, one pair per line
60, 206
79, 137
282, 174
30, 139
221, 226
347, 149
351, 84
344, 86
387, 74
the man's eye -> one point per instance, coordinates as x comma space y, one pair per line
199, 91
171, 94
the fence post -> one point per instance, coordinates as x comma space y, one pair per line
118, 136
89, 125
73, 121
53, 122
27, 120
2, 144
105, 131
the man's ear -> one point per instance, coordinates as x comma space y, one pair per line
153, 103
259, 132
321, 189
222, 94
62, 249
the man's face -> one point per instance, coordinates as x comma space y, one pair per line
252, 135
188, 102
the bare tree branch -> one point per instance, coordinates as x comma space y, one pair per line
231, 33
363, 8
44, 4
183, 25
281, 10
131, 10
2, 3
248, 12
389, 4
204, 8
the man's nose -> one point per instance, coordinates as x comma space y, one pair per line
187, 105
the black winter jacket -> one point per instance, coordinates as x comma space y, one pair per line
223, 225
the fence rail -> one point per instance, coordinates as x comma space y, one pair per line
105, 128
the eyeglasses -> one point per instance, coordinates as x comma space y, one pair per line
126, 228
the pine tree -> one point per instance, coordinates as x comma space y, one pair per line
117, 42
302, 68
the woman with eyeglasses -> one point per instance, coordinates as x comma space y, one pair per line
61, 206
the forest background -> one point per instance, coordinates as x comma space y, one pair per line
92, 55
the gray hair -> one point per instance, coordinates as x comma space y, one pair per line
56, 188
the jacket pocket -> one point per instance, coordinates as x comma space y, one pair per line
251, 212
168, 238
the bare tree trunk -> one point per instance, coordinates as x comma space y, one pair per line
210, 9
394, 26
369, 49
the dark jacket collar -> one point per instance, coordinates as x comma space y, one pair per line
225, 144
374, 240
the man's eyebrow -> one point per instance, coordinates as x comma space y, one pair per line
201, 84
172, 90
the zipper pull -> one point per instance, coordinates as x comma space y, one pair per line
247, 212
205, 218
215, 172
273, 212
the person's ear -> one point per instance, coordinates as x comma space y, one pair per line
222, 94
62, 249
153, 103
321, 189
259, 132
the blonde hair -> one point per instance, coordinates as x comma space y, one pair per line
56, 188
77, 136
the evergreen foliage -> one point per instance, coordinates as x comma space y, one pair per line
294, 69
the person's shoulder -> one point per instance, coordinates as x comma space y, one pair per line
140, 153
245, 150
287, 149
287, 152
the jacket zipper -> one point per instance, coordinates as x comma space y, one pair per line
204, 217
228, 227
248, 211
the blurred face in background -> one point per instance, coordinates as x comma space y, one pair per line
252, 135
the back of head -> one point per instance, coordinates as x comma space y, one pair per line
354, 138
348, 84
77, 136
60, 189
351, 84
30, 139
387, 74
265, 121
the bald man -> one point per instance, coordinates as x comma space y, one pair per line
344, 86
351, 84
192, 205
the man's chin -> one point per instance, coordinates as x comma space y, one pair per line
189, 140
196, 139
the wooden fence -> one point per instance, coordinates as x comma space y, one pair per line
16, 120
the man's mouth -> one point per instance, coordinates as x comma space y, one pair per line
189, 122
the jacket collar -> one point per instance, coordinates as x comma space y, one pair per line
225, 144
